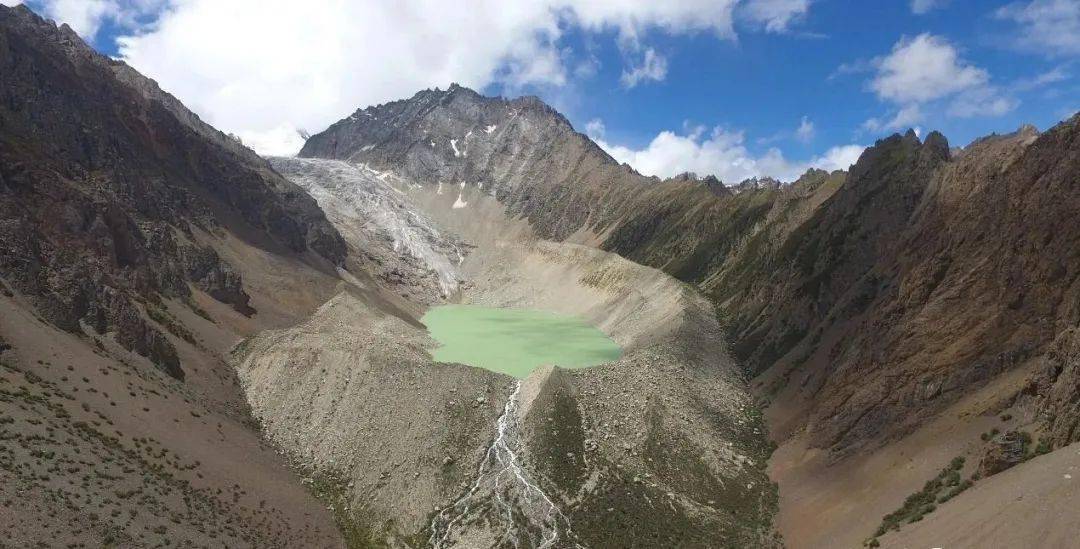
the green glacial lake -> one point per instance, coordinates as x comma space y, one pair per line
516, 341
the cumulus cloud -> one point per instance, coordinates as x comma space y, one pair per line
631, 18
906, 117
83, 16
595, 128
984, 101
805, 131
1045, 26
653, 67
721, 153
86, 17
261, 68
923, 68
837, 158
928, 70
1052, 76
286, 67
282, 140
775, 15
920, 7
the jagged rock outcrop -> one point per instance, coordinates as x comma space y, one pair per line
110, 191
1004, 451
1055, 389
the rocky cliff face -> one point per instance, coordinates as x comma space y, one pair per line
921, 279
110, 191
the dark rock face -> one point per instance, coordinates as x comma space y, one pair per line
210, 274
1055, 388
104, 180
1004, 451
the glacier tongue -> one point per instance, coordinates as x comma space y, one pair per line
357, 198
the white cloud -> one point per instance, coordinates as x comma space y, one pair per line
837, 158
260, 68
653, 67
925, 6
775, 15
10, 3
1052, 76
633, 17
595, 128
283, 140
924, 68
1046, 26
923, 73
721, 153
588, 67
983, 101
805, 131
858, 66
904, 118
83, 16
86, 17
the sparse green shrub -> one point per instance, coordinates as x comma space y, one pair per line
943, 487
1045, 446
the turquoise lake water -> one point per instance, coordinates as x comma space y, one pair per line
516, 341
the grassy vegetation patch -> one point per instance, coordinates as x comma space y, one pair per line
331, 487
943, 487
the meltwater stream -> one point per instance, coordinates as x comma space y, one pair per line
516, 511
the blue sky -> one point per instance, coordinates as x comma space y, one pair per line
733, 87
765, 83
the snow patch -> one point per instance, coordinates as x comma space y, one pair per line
459, 203
490, 128
453, 145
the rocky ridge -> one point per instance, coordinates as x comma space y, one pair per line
108, 184
137, 245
